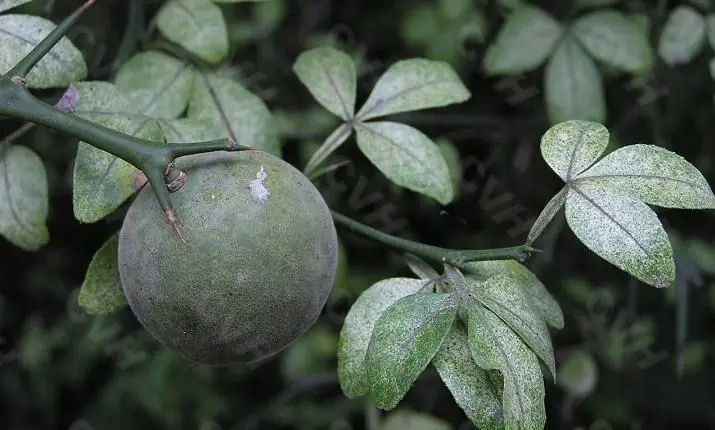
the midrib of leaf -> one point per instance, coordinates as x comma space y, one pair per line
429, 318
32, 44
165, 87
578, 145
219, 107
410, 154
506, 367
380, 102
343, 104
493, 305
3, 154
585, 179
111, 164
609, 216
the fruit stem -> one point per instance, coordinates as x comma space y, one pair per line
434, 254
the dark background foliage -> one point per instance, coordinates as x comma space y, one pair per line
654, 349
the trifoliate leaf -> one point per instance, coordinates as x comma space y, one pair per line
610, 37
9, 4
156, 84
101, 292
495, 346
358, 327
683, 35
572, 85
19, 34
406, 157
102, 182
24, 201
331, 78
653, 175
547, 214
623, 231
409, 420
405, 339
469, 384
503, 296
414, 84
197, 25
330, 145
241, 114
570, 147
540, 297
523, 43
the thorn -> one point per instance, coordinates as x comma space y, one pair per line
232, 145
175, 224
87, 4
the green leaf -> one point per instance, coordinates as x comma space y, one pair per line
358, 327
623, 231
331, 78
101, 292
572, 85
610, 37
578, 375
9, 4
241, 114
405, 339
420, 267
414, 84
157, 84
541, 299
20, 34
24, 201
547, 215
523, 43
101, 181
653, 175
406, 157
197, 25
450, 152
189, 130
410, 420
330, 145
683, 36
495, 346
503, 295
570, 147
471, 387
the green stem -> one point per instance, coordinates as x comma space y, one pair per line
433, 254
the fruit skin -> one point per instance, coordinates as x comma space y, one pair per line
255, 274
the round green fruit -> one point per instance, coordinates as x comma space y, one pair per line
259, 266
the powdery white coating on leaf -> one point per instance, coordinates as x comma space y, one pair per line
331, 78
495, 346
523, 42
23, 197
197, 25
572, 146
610, 37
653, 175
546, 215
623, 231
358, 326
414, 84
470, 385
573, 86
405, 339
157, 84
540, 297
258, 191
19, 34
504, 296
9, 4
101, 292
407, 157
683, 36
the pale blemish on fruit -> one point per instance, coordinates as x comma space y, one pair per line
258, 191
